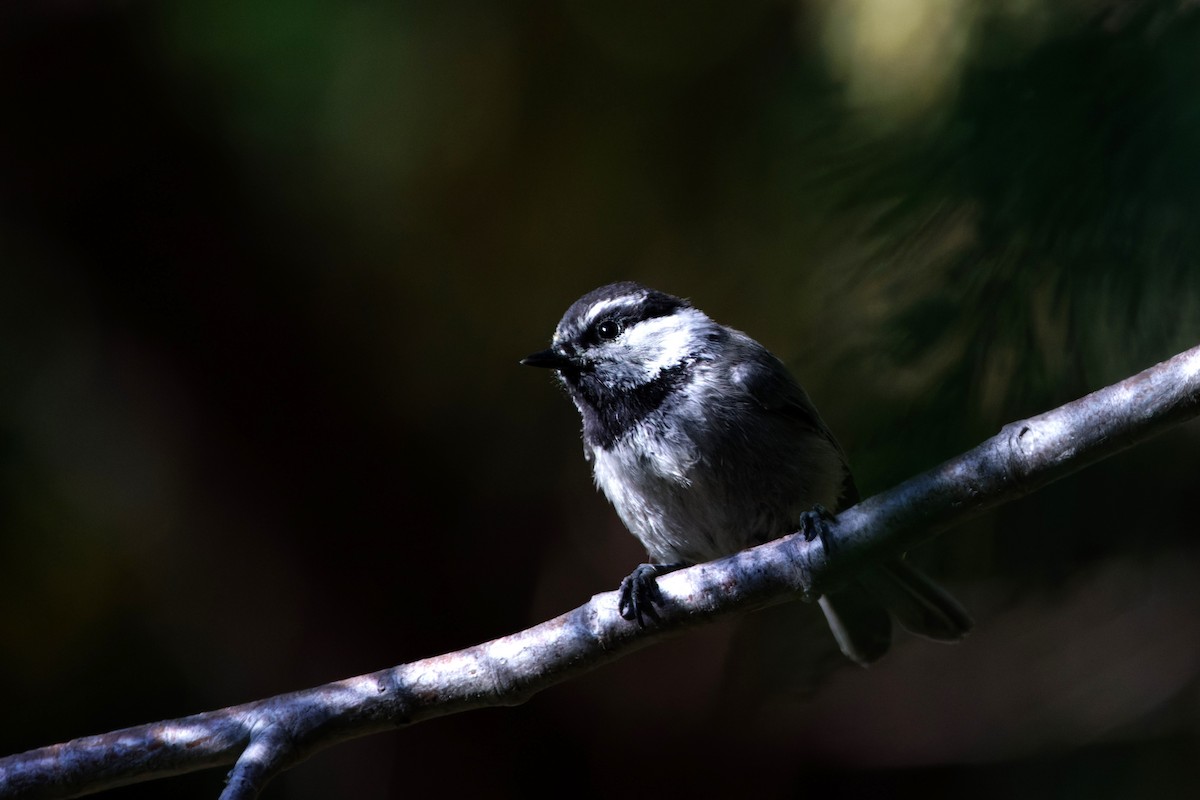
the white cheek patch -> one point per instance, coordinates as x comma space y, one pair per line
663, 342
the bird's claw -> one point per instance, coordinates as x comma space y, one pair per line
639, 593
815, 523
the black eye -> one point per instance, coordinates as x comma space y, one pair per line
608, 329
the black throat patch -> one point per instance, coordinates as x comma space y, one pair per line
608, 415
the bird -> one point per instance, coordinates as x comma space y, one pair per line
705, 444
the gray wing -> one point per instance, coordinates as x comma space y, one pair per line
769, 383
856, 612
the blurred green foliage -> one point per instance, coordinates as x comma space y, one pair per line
266, 269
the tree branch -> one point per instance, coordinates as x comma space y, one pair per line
264, 737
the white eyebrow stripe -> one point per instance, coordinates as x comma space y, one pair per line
604, 306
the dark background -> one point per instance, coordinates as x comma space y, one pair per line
266, 269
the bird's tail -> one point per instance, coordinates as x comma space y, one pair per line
858, 614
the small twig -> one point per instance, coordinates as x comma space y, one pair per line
265, 755
267, 736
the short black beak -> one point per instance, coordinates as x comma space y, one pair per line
549, 359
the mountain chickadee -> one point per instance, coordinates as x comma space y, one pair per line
706, 445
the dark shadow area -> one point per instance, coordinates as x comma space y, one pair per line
266, 272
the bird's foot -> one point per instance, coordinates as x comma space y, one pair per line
815, 523
639, 592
